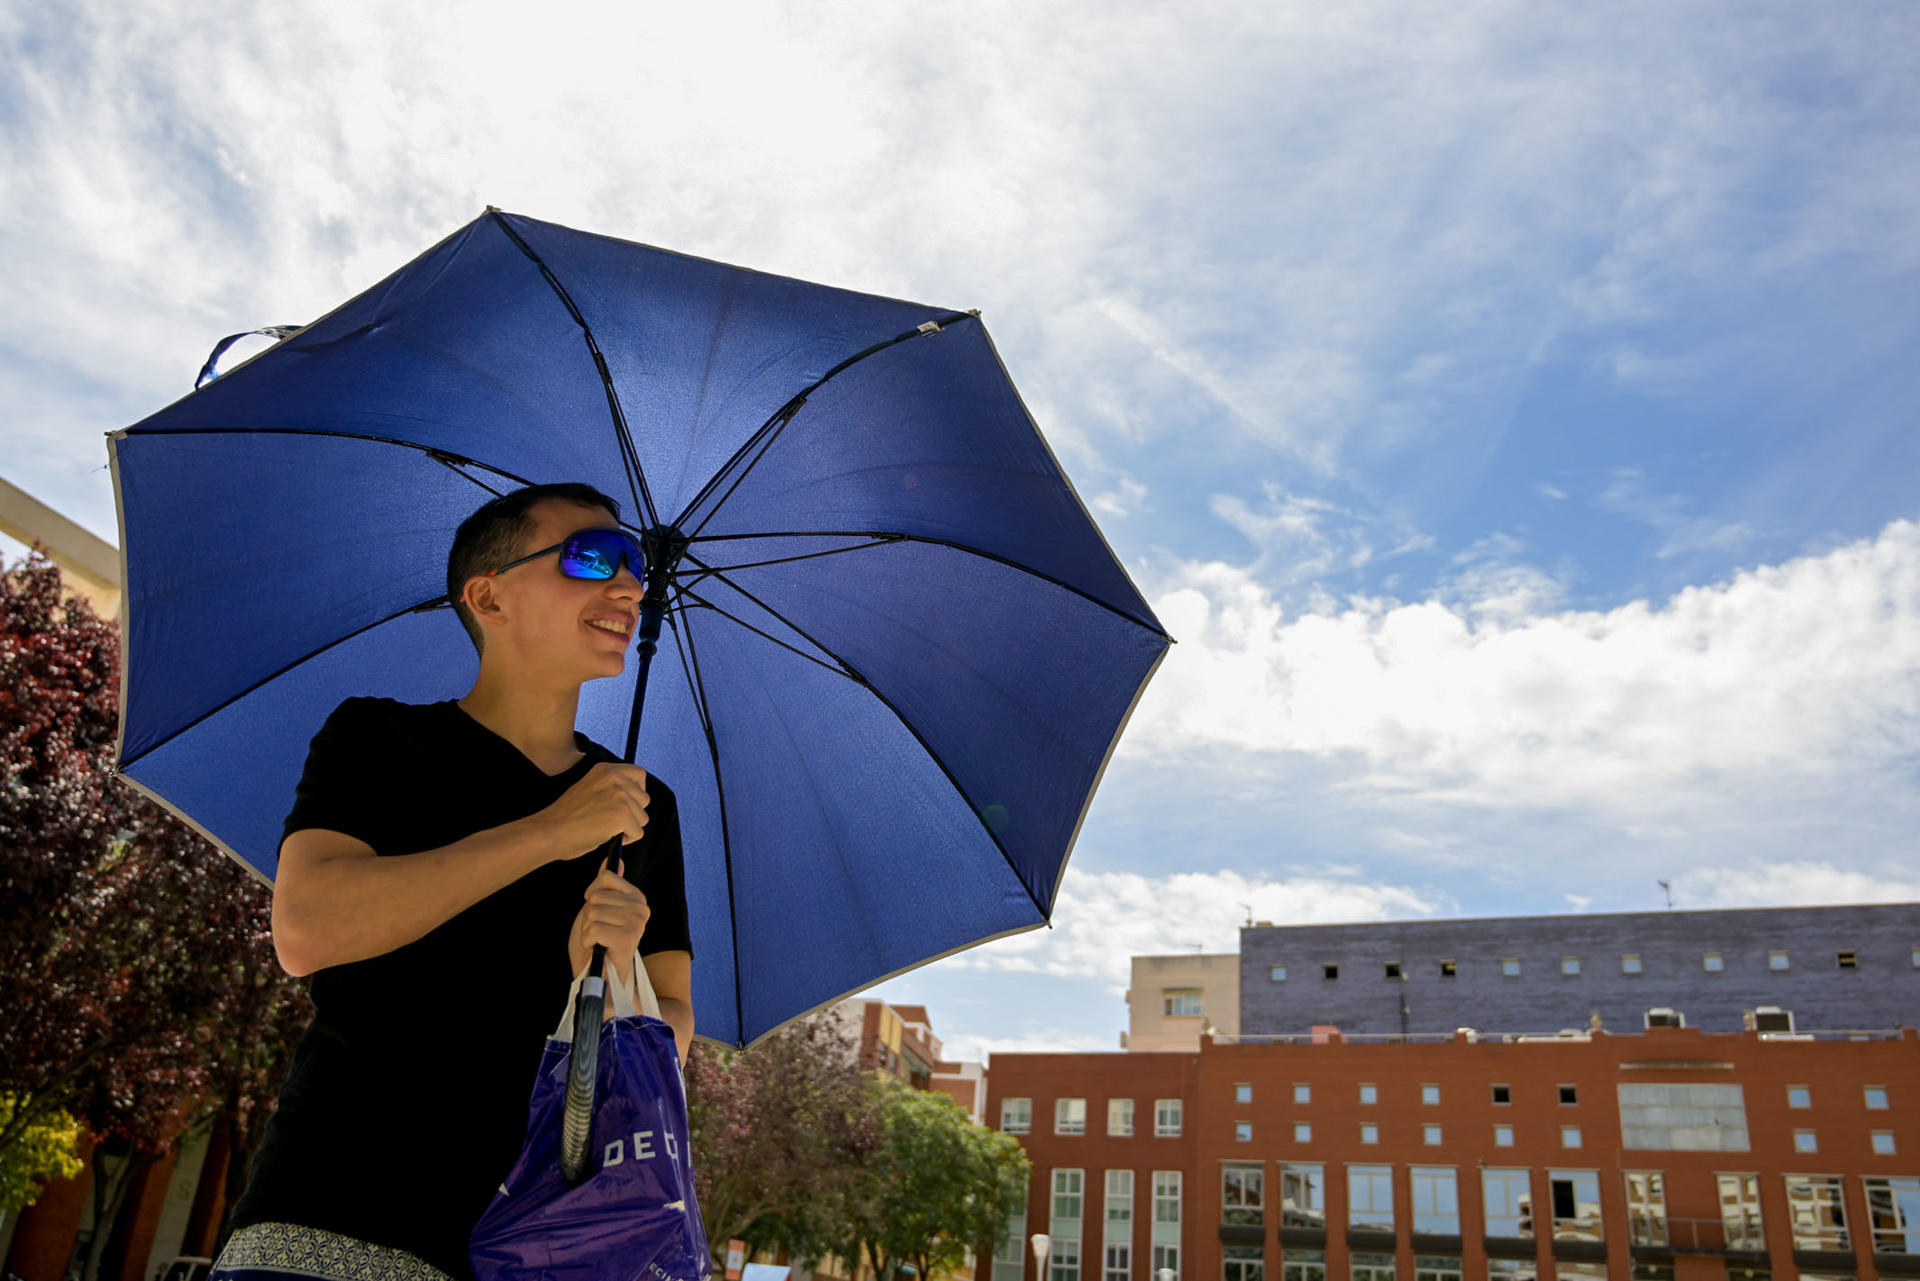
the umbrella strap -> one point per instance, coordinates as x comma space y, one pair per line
208, 373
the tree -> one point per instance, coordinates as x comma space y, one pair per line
136, 966
941, 1187
780, 1135
48, 1150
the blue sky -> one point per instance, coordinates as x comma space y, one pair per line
1509, 408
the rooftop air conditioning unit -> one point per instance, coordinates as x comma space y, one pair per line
1770, 1018
1664, 1016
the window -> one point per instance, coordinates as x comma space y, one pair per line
1303, 1265
1436, 1200
1876, 1096
1805, 1141
1569, 1094
1369, 1132
1010, 1258
1119, 1261
1329, 971
1069, 1116
1370, 1197
1569, 965
1302, 1132
1740, 1211
1503, 1136
1369, 1093
1778, 961
1393, 970
1847, 959
1893, 1215
1683, 1118
1243, 1131
1302, 1093
1243, 1194
1510, 966
1436, 1267
1166, 1196
1512, 1270
1815, 1209
1120, 1204
1372, 1267
1016, 1115
1068, 1188
1664, 1272
1449, 970
1799, 1096
1508, 1201
1502, 1094
1883, 1143
1570, 1271
1303, 1197
1914, 955
1243, 1263
1120, 1117
1276, 974
1166, 1258
1430, 1135
1576, 1205
1713, 962
1430, 1094
1569, 1136
1166, 1118
1630, 963
1243, 1093
1063, 1260
1181, 1003
1646, 1207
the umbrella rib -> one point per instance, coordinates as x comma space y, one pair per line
908, 725
623, 437
690, 663
769, 431
771, 638
706, 569
222, 706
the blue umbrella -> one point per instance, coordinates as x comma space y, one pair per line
896, 651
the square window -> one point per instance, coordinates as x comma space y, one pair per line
1120, 1118
1276, 974
1182, 1003
1329, 971
1449, 970
1243, 1131
1883, 1143
1243, 1093
1569, 1136
1369, 1094
1016, 1115
1915, 956
1430, 1135
1429, 1094
1712, 962
1799, 1096
1502, 1094
1778, 961
1630, 964
1302, 1093
1503, 1136
1510, 966
1166, 1118
1069, 1116
1847, 958
1804, 1141
1302, 1132
1569, 965
1369, 1132
1393, 969
1569, 1094
1876, 1096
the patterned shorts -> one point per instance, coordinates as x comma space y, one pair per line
275, 1251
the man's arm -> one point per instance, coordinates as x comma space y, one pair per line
671, 974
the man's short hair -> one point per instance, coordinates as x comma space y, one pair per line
497, 533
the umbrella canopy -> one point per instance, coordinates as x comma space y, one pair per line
897, 651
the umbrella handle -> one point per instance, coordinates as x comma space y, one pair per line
583, 1066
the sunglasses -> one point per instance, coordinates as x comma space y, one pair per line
593, 554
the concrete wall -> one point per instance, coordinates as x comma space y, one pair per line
1882, 992
1215, 976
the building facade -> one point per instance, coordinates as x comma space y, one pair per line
1172, 999
1828, 967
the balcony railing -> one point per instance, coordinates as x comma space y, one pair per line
1700, 1236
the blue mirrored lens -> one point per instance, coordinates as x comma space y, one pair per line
597, 553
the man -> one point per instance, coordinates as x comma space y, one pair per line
442, 878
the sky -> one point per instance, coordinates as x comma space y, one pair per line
1508, 408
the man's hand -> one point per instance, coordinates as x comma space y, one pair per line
609, 800
615, 916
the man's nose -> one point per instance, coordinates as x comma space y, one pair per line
624, 582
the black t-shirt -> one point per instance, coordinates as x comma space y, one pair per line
407, 1101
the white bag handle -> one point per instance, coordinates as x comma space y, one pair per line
623, 1001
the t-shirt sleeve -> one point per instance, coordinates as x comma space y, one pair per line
344, 774
663, 877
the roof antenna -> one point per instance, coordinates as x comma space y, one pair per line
1249, 908
1668, 887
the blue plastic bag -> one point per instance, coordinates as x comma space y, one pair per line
635, 1217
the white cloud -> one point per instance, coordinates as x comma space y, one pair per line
1798, 883
1669, 515
1103, 919
1802, 673
1127, 497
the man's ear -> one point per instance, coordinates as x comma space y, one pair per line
482, 602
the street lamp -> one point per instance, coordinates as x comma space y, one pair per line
1164, 1274
1041, 1244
